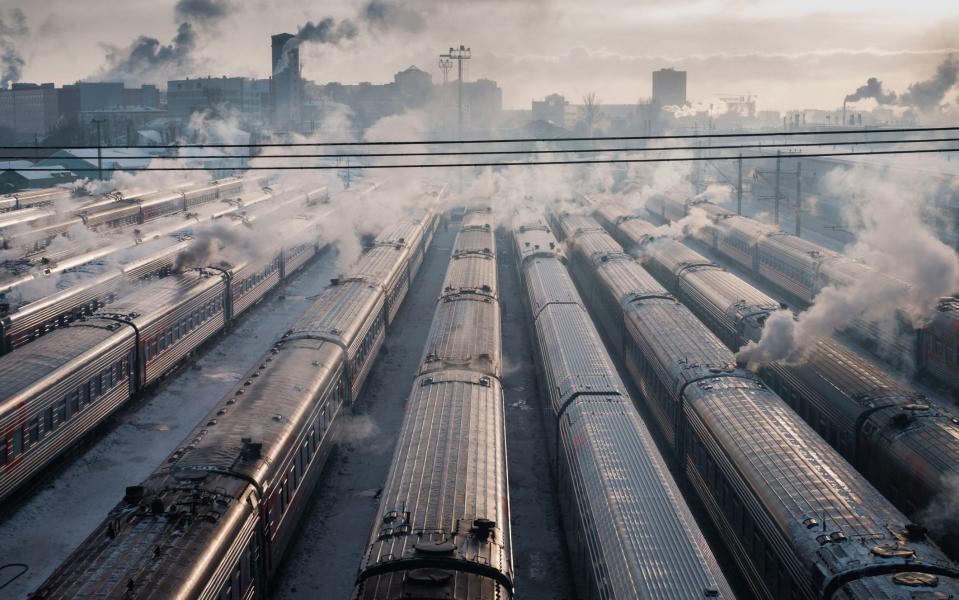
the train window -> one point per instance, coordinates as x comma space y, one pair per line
17, 441
33, 430
3, 450
74, 401
48, 420
62, 410
294, 478
939, 346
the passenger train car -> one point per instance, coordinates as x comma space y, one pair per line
33, 232
613, 482
905, 445
802, 269
214, 519
22, 322
57, 389
796, 517
30, 198
448, 536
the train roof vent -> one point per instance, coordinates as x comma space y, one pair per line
892, 551
914, 579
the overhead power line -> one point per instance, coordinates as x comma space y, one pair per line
514, 163
770, 145
688, 136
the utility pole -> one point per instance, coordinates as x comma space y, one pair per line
799, 199
459, 55
739, 187
778, 194
445, 66
99, 122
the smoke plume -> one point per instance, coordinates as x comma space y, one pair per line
383, 16
923, 95
13, 29
378, 16
873, 89
146, 59
927, 95
201, 12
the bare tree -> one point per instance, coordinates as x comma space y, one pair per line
591, 113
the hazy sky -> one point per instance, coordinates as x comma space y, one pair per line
791, 54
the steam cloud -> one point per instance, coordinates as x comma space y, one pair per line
926, 95
203, 12
383, 15
147, 59
13, 28
923, 95
894, 240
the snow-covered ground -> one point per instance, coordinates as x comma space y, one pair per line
50, 524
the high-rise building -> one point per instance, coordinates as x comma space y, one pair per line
669, 87
245, 96
28, 109
287, 82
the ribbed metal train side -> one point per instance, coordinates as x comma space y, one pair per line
442, 529
796, 517
214, 519
630, 533
904, 444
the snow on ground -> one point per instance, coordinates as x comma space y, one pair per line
62, 512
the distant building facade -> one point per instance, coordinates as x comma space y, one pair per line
669, 87
552, 109
250, 97
29, 109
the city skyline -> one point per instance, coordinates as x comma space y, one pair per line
807, 56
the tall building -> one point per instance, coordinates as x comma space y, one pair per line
245, 96
415, 87
552, 109
287, 82
28, 109
669, 87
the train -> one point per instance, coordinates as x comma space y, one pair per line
31, 230
58, 389
214, 519
797, 519
612, 479
905, 444
802, 269
442, 529
31, 198
22, 322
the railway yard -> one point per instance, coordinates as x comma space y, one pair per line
228, 390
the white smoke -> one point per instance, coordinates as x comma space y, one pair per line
885, 213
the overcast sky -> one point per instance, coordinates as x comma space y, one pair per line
792, 54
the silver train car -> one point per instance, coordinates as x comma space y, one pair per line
57, 389
30, 198
795, 516
22, 323
802, 269
612, 480
214, 519
33, 232
905, 445
442, 529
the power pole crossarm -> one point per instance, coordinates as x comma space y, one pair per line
459, 55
